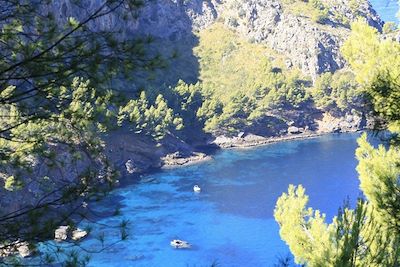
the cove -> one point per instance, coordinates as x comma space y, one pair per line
231, 220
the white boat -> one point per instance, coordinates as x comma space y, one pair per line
176, 243
196, 188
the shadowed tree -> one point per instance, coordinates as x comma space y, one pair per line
61, 79
369, 235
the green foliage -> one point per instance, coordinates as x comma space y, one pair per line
367, 54
355, 5
229, 64
317, 10
376, 64
78, 119
321, 11
389, 27
186, 100
11, 183
156, 120
337, 92
354, 238
241, 81
379, 171
59, 92
369, 235
235, 113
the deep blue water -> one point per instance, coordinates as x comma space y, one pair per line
387, 9
231, 220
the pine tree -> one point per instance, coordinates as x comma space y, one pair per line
57, 96
369, 235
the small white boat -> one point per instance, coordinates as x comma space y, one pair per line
196, 188
176, 243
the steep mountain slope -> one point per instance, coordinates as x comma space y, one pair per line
237, 73
260, 72
283, 25
304, 36
308, 34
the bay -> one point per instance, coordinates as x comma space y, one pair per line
231, 220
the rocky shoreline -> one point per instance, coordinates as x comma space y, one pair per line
176, 160
255, 141
249, 141
326, 124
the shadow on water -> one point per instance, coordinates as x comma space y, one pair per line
232, 218
240, 178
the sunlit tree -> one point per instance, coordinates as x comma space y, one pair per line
369, 235
60, 83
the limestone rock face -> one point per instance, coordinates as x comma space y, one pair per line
348, 123
169, 19
350, 10
312, 50
312, 47
78, 234
173, 20
23, 250
61, 233
19, 248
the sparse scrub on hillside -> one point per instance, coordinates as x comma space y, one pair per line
241, 82
313, 9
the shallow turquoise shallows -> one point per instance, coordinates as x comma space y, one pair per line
387, 9
231, 220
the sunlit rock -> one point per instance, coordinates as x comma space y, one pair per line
78, 234
61, 233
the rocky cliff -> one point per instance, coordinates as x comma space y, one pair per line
306, 44
312, 46
286, 26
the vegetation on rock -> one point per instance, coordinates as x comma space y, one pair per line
368, 235
67, 82
58, 95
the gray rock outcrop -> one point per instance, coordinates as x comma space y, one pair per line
168, 19
23, 250
348, 123
61, 233
312, 47
19, 248
78, 234
130, 167
294, 130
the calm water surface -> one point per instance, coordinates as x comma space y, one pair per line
231, 220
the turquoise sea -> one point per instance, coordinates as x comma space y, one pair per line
231, 220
